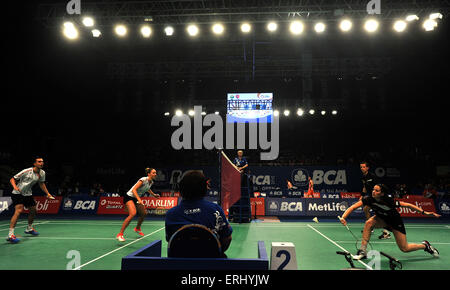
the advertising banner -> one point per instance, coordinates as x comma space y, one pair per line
426, 204
443, 206
114, 205
5, 204
79, 204
309, 207
45, 205
258, 206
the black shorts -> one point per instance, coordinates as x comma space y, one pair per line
393, 223
27, 201
127, 198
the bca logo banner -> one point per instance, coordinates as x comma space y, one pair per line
443, 206
300, 177
4, 204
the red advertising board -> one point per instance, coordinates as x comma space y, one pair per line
45, 205
426, 204
111, 205
311, 195
114, 205
350, 194
259, 204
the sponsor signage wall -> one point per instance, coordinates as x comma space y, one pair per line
81, 204
114, 205
309, 207
257, 206
5, 204
443, 207
426, 204
45, 205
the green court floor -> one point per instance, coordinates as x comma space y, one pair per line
91, 245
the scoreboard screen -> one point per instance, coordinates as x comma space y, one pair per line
249, 107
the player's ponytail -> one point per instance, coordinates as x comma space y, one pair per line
148, 170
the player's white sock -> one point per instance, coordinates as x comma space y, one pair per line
363, 247
30, 227
11, 232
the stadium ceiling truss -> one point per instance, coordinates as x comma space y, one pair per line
374, 67
179, 12
107, 13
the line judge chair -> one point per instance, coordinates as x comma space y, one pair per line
194, 241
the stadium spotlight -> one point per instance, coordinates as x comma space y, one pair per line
216, 112
345, 25
296, 27
96, 33
169, 30
319, 27
218, 28
166, 114
300, 112
203, 113
411, 17
311, 112
334, 112
371, 25
191, 113
246, 27
435, 16
276, 113
192, 30
429, 24
178, 113
146, 31
323, 112
120, 30
272, 26
88, 21
70, 31
400, 25
286, 113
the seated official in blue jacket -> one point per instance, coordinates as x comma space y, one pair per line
194, 209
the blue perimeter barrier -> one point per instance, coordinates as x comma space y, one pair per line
149, 258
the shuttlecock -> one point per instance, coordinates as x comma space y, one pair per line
315, 220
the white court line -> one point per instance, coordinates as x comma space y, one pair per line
25, 225
393, 242
337, 245
337, 226
102, 256
77, 238
18, 223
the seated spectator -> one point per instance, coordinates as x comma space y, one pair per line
194, 209
429, 191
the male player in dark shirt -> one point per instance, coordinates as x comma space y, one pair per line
369, 180
194, 209
386, 216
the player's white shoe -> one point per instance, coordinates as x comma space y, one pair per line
430, 249
120, 238
360, 255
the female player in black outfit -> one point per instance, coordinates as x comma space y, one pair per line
386, 216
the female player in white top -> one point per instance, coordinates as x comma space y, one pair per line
133, 202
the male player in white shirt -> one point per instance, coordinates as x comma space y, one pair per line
22, 196
133, 202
